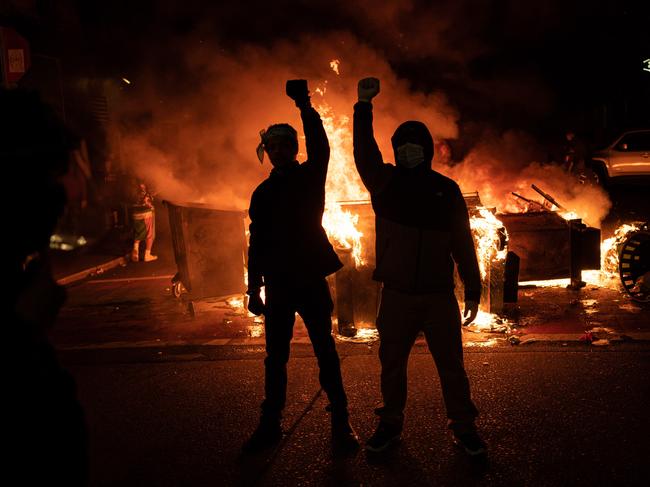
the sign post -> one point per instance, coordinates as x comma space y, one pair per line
15, 57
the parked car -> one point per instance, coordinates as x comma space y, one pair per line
628, 155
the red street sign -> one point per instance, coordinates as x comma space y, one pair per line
14, 54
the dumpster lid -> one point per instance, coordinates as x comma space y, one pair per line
201, 206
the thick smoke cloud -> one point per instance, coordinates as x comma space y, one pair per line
206, 102
513, 161
199, 145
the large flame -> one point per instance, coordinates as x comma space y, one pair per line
487, 229
343, 181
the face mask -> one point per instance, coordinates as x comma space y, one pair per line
410, 155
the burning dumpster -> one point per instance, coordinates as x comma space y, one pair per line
551, 246
209, 248
357, 295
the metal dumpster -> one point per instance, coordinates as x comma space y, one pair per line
357, 296
551, 247
209, 248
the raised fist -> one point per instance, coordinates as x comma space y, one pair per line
368, 89
297, 90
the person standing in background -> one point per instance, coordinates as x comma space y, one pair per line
144, 223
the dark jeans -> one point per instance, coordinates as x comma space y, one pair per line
401, 318
314, 304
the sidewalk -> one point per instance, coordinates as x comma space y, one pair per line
114, 303
132, 306
90, 260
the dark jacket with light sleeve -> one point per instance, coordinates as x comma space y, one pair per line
288, 244
422, 225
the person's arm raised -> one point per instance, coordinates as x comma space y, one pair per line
367, 156
317, 145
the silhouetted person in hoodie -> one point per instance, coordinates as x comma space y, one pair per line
289, 254
43, 424
422, 228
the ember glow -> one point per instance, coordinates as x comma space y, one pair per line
334, 64
610, 250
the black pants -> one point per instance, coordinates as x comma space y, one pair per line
314, 304
401, 318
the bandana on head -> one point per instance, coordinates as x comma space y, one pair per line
282, 130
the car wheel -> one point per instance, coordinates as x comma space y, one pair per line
600, 174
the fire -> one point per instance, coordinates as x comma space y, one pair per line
340, 225
609, 251
569, 215
487, 229
343, 181
608, 275
334, 64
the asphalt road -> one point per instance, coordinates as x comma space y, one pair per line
552, 415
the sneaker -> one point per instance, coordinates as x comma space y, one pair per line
148, 257
384, 437
344, 438
265, 436
471, 442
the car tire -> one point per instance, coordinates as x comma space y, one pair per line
601, 175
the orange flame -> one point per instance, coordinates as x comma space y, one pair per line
334, 64
485, 228
343, 182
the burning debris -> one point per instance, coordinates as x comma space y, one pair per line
551, 241
627, 255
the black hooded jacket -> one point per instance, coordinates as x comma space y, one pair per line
422, 225
288, 244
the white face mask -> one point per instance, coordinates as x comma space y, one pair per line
410, 155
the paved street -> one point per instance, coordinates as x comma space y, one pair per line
170, 396
552, 415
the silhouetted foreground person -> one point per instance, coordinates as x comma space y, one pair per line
43, 426
422, 228
290, 256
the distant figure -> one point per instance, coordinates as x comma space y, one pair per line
422, 228
43, 424
574, 155
290, 255
144, 223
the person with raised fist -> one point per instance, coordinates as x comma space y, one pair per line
422, 229
289, 254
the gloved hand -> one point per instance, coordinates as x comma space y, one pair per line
471, 310
298, 91
367, 89
255, 304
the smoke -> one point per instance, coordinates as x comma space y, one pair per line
192, 123
501, 164
199, 144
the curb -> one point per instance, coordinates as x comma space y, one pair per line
642, 336
98, 269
